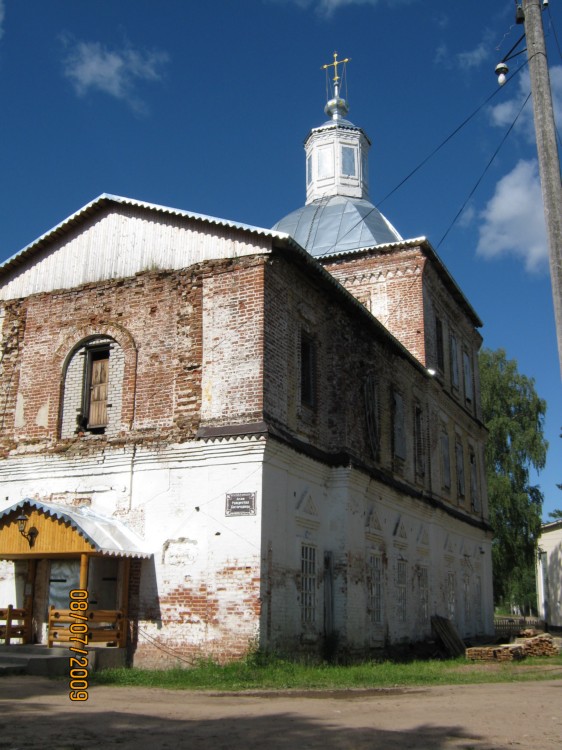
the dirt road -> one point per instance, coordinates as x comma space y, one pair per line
36, 713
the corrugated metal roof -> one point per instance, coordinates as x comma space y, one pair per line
338, 224
108, 535
106, 199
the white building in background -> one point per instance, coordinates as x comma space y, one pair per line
549, 574
238, 437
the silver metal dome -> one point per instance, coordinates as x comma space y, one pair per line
338, 224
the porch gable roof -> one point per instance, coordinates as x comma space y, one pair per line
108, 536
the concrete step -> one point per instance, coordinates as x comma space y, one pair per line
34, 660
53, 662
12, 666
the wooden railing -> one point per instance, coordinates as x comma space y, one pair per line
508, 626
14, 623
102, 626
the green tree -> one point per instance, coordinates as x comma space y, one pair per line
514, 415
556, 514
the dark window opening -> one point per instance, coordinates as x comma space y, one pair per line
419, 442
93, 416
439, 344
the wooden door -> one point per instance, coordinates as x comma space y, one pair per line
97, 413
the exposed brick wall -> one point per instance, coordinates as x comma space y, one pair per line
156, 321
233, 313
390, 285
348, 349
213, 618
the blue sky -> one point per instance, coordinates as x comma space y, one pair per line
205, 106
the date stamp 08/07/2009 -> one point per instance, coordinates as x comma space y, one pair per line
79, 638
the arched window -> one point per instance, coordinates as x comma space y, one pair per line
93, 384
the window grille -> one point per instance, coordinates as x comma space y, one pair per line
401, 590
375, 589
308, 584
424, 594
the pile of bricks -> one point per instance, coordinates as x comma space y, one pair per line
541, 645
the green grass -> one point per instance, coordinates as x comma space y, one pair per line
279, 674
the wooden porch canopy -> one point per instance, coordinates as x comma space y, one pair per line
32, 530
63, 531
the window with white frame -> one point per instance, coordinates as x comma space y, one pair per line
348, 166
308, 584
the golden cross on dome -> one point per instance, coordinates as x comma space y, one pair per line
335, 66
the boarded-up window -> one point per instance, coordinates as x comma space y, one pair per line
440, 350
419, 441
372, 414
399, 431
467, 367
474, 489
99, 380
454, 362
459, 453
445, 460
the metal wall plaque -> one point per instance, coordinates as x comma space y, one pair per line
241, 504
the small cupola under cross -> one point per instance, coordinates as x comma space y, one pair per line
337, 151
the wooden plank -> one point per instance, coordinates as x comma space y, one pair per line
84, 571
448, 635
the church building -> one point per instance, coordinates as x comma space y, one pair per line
227, 437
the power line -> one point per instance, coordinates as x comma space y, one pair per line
488, 165
428, 157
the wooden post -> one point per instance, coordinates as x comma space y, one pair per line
549, 164
8, 624
84, 560
125, 601
28, 599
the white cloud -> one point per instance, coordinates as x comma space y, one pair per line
480, 54
92, 67
2, 16
328, 7
513, 221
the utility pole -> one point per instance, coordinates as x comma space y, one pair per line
549, 164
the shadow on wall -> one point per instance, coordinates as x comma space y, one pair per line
142, 606
553, 613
